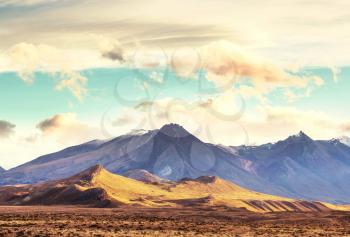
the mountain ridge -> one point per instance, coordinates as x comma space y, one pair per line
297, 167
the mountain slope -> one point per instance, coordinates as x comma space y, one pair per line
315, 170
170, 153
98, 187
2, 170
297, 167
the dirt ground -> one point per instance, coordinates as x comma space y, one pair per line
75, 221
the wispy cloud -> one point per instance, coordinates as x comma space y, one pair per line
260, 25
26, 59
228, 63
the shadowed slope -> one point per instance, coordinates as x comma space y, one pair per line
76, 190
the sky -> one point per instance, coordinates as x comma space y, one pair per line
231, 72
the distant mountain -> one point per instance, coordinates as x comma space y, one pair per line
298, 167
96, 187
314, 170
2, 170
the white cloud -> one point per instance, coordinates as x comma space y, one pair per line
74, 82
228, 63
26, 59
225, 63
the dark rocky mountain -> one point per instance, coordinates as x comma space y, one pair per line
297, 167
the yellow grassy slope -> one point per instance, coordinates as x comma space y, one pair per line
127, 190
215, 190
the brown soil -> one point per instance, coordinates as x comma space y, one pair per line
218, 221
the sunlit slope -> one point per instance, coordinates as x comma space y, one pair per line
126, 190
99, 188
202, 191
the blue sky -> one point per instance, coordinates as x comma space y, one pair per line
19, 99
235, 72
28, 104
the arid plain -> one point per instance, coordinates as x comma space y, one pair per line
214, 221
99, 203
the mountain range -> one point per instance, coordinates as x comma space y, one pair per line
298, 167
96, 187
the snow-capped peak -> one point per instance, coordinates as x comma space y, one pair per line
344, 139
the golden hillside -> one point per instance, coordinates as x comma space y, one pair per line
201, 191
98, 187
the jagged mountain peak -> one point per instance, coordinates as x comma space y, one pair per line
300, 140
174, 130
96, 168
301, 134
343, 139
89, 174
300, 137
